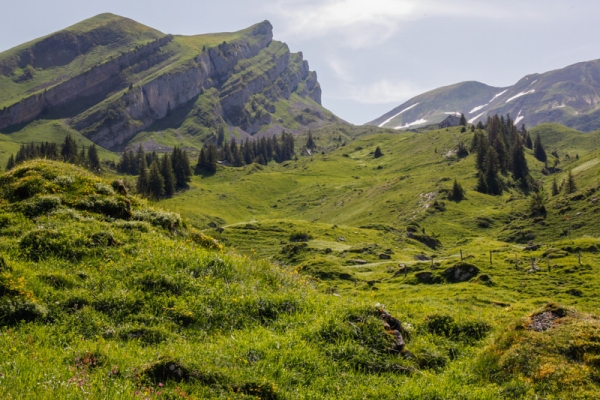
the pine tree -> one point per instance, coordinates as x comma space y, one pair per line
463, 120
93, 160
156, 182
537, 205
166, 170
220, 136
378, 152
555, 189
11, 163
538, 149
69, 150
518, 163
528, 142
142, 181
570, 185
491, 174
81, 158
211, 159
201, 164
310, 142
458, 193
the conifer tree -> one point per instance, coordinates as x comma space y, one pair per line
528, 142
202, 162
166, 170
93, 159
69, 149
570, 185
458, 193
220, 136
11, 163
142, 181
378, 152
463, 120
555, 189
538, 149
518, 163
81, 158
156, 182
310, 142
494, 186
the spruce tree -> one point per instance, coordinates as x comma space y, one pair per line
463, 120
211, 159
69, 150
142, 181
378, 152
11, 163
518, 163
458, 193
538, 149
555, 189
570, 185
156, 182
310, 142
202, 162
166, 170
93, 159
81, 158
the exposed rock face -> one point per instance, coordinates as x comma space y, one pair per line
82, 90
245, 76
461, 272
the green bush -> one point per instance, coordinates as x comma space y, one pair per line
163, 219
42, 243
39, 205
14, 309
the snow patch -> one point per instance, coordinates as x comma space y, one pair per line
533, 82
456, 113
521, 94
394, 116
477, 108
476, 118
561, 106
417, 122
498, 95
519, 118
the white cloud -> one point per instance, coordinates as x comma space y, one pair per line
360, 23
380, 92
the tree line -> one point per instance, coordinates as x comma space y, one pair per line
158, 176
499, 146
261, 151
67, 152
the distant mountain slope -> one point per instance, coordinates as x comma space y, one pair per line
111, 78
569, 96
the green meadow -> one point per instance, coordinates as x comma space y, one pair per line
266, 281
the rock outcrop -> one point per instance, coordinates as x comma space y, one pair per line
240, 82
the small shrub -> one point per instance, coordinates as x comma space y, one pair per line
300, 237
114, 207
13, 310
205, 241
145, 334
163, 219
40, 205
141, 226
102, 188
167, 369
57, 280
43, 243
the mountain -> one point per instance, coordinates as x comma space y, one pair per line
112, 79
569, 96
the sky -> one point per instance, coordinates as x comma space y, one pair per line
370, 56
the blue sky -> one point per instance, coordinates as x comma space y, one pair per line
370, 56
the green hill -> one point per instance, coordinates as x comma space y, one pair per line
285, 304
116, 81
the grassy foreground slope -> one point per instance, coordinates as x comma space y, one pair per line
368, 228
104, 297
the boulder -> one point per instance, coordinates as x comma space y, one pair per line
427, 277
384, 256
461, 272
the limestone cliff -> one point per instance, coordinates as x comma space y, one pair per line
246, 81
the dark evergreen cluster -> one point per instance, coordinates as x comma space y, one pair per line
500, 151
261, 151
158, 176
68, 152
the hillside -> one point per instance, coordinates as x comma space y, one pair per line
569, 96
114, 80
146, 303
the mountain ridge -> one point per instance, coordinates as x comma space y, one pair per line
110, 93
569, 96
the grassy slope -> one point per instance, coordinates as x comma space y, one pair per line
332, 196
352, 210
127, 34
109, 307
45, 131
